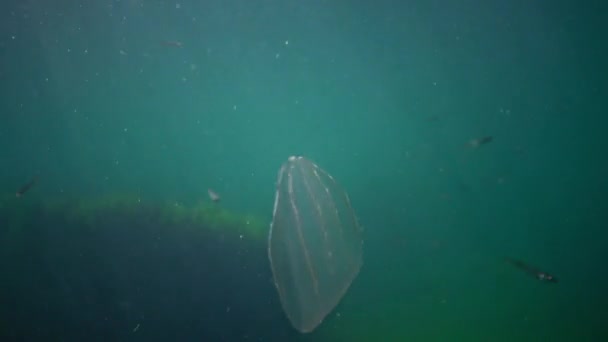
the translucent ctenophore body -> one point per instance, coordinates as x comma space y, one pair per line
314, 244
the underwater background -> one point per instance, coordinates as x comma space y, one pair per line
127, 112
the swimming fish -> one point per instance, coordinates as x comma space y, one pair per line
475, 143
213, 195
26, 187
531, 270
172, 43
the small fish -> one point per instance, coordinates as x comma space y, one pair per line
475, 143
213, 195
26, 187
531, 270
172, 43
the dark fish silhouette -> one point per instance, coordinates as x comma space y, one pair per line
26, 187
531, 270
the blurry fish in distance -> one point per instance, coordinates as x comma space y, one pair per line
26, 187
213, 195
475, 143
172, 43
531, 270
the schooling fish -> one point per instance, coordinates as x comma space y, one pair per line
531, 270
26, 187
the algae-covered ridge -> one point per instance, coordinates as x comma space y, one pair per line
84, 211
